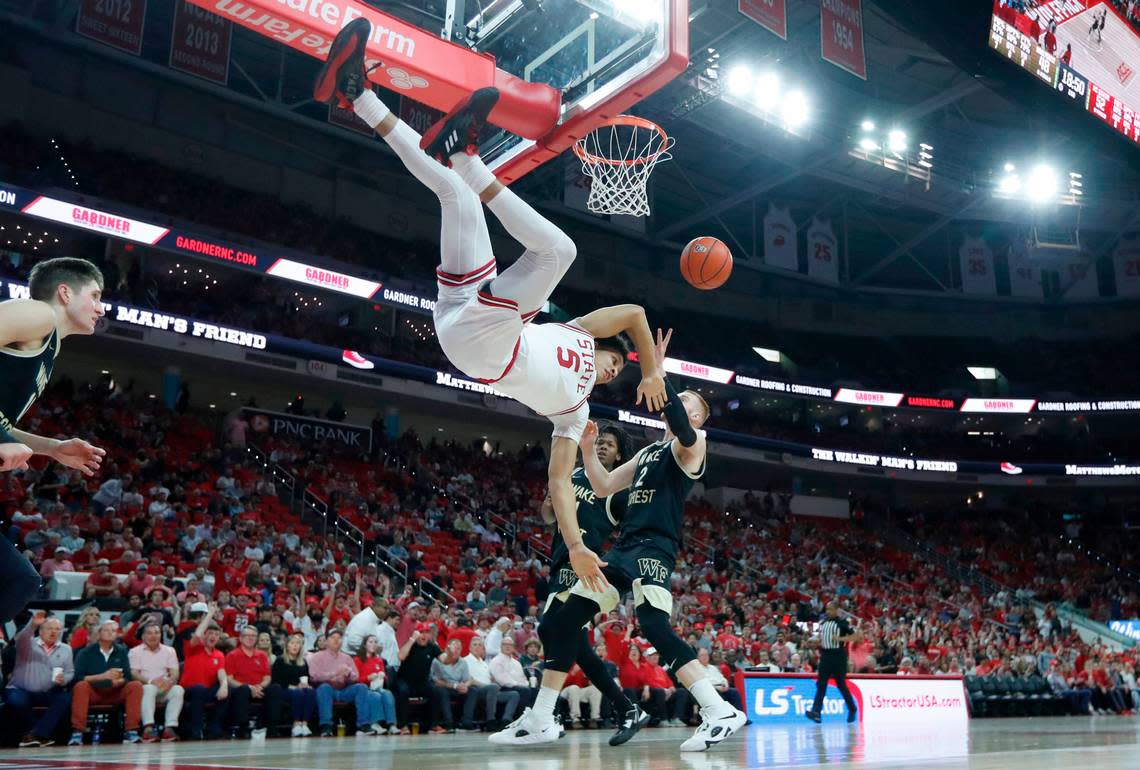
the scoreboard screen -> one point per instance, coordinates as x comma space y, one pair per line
1087, 50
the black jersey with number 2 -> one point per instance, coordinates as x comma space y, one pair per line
656, 505
597, 519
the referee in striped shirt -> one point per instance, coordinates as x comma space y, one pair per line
834, 634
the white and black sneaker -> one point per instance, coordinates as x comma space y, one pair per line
530, 728
634, 719
715, 727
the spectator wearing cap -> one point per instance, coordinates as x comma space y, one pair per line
414, 613
636, 680
59, 561
43, 669
416, 657
525, 634
156, 666
102, 584
103, 677
507, 672
334, 674
234, 619
139, 582
678, 703
249, 677
204, 678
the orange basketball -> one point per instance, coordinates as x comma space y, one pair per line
706, 263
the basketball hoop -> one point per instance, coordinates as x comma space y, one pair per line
619, 156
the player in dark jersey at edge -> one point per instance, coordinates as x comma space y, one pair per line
659, 478
598, 517
65, 299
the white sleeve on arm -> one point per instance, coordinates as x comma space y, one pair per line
571, 424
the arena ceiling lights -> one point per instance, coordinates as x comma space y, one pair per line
1041, 184
892, 148
766, 95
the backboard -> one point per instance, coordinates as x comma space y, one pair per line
562, 66
602, 56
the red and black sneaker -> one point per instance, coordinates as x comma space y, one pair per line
458, 130
343, 76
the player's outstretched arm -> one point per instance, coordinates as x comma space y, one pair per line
630, 319
587, 566
605, 483
25, 320
74, 452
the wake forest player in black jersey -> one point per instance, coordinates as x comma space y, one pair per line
66, 299
659, 478
598, 517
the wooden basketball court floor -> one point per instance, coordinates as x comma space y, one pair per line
1086, 743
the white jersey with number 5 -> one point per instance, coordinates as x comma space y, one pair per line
553, 374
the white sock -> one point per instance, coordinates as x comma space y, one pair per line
545, 702
473, 171
370, 109
707, 696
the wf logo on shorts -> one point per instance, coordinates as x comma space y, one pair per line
652, 568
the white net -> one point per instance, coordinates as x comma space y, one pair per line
619, 157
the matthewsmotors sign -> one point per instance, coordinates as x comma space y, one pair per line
308, 429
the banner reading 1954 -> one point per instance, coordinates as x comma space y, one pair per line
841, 35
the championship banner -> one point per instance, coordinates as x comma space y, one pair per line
308, 429
1078, 280
977, 263
841, 35
117, 23
1126, 267
772, 15
346, 118
200, 43
418, 115
1024, 274
780, 239
823, 251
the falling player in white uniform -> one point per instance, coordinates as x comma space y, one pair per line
483, 318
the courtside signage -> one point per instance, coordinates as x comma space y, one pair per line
881, 700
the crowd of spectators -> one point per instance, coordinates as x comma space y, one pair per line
230, 601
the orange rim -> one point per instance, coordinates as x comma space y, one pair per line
622, 120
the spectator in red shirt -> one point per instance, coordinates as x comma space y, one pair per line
340, 610
101, 584
634, 674
84, 631
463, 632
249, 676
204, 678
234, 619
139, 582
678, 702
371, 673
